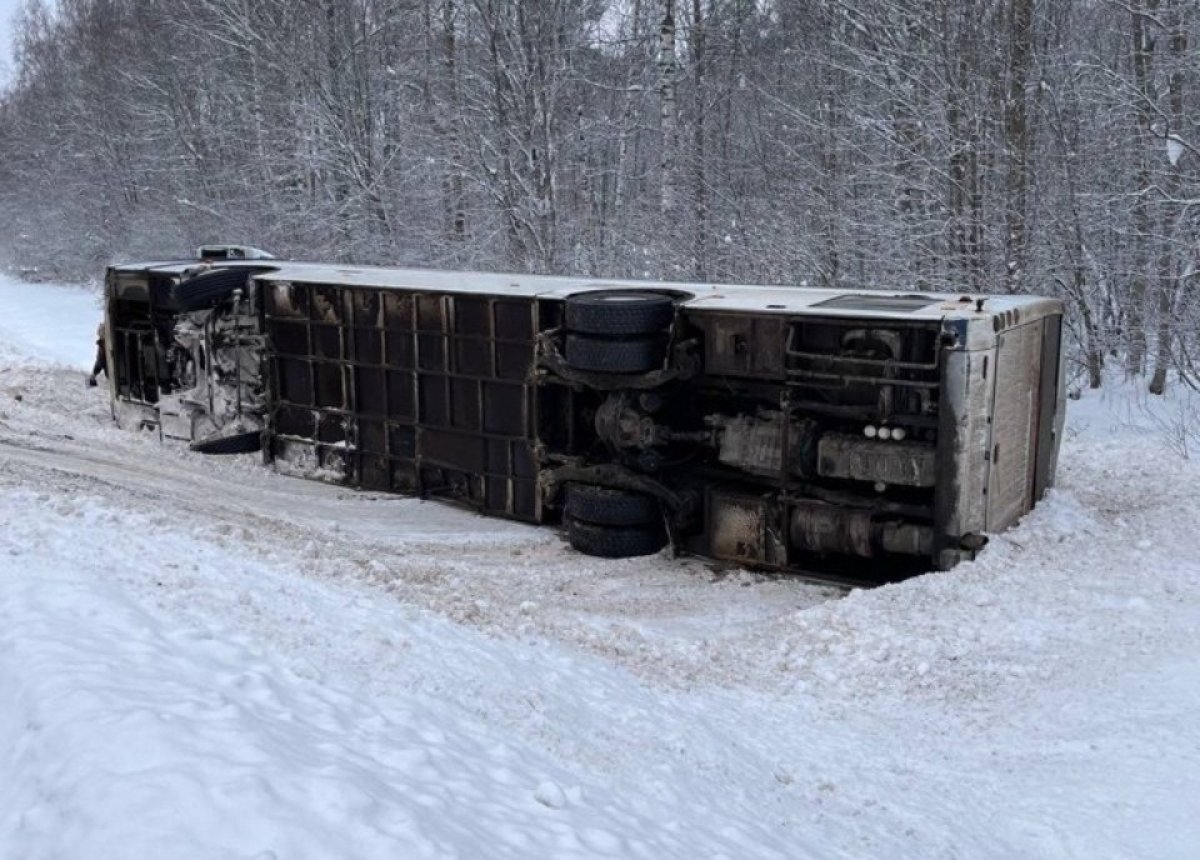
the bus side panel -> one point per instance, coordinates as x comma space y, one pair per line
420, 393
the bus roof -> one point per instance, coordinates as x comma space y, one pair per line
732, 298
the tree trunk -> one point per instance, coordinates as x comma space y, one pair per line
1018, 143
667, 71
1168, 275
453, 179
1143, 60
699, 177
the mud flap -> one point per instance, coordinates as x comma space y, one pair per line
239, 443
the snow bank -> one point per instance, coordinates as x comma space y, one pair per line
49, 323
133, 732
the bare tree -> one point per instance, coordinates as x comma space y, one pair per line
1045, 146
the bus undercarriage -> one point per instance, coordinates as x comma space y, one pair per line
863, 434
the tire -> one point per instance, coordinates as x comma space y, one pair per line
609, 542
240, 443
635, 355
605, 506
619, 313
205, 291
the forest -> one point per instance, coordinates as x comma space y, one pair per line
1027, 146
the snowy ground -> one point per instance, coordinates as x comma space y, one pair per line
202, 659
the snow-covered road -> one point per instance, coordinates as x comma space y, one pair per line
203, 659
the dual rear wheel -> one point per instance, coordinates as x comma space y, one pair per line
610, 523
618, 331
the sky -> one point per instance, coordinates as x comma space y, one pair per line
8, 8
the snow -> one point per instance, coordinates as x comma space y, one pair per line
203, 659
171, 733
54, 323
1175, 148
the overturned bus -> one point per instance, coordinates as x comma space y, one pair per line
778, 428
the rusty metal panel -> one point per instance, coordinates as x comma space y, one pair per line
819, 527
737, 529
742, 345
907, 464
1018, 374
964, 430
